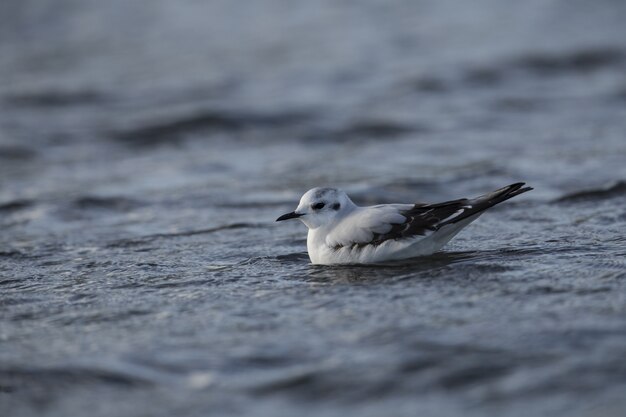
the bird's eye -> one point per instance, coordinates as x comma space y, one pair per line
318, 206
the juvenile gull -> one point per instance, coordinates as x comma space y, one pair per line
340, 232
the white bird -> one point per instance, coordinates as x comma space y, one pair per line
340, 232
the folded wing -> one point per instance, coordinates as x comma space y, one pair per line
378, 224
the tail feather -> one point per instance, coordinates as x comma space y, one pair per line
482, 203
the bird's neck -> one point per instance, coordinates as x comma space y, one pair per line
315, 244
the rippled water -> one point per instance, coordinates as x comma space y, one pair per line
147, 147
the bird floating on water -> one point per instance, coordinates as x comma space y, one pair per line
340, 232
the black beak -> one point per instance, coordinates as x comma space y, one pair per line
292, 215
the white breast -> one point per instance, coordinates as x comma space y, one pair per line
321, 253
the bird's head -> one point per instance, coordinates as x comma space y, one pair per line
320, 207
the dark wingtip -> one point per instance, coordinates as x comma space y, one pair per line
504, 194
514, 187
519, 190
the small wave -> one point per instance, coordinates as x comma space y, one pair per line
159, 131
483, 77
431, 85
374, 128
182, 284
55, 98
470, 375
400, 190
362, 129
9, 282
15, 205
128, 375
253, 204
583, 60
106, 203
12, 253
23, 376
545, 64
302, 381
296, 257
149, 238
616, 190
16, 153
101, 317
518, 104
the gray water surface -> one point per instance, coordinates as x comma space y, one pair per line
146, 148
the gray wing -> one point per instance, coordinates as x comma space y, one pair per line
420, 219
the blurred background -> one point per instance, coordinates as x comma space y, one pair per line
146, 148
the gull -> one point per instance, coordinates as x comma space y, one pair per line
340, 232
